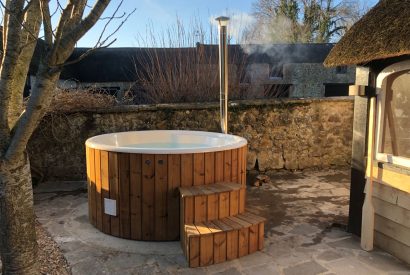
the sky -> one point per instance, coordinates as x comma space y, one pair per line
161, 14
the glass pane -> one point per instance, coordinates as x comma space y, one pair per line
396, 134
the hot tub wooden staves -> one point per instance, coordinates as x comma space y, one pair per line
144, 188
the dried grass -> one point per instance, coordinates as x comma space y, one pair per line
182, 65
187, 75
65, 101
65, 105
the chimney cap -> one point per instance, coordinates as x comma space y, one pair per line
222, 20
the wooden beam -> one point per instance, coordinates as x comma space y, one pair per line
392, 178
361, 90
392, 212
392, 195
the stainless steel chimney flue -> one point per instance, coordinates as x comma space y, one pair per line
223, 71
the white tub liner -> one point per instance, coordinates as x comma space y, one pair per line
165, 142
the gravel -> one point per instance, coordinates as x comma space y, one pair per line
50, 258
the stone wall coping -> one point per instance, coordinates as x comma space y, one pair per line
212, 105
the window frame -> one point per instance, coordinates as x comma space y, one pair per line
381, 84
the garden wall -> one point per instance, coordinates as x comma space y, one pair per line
282, 134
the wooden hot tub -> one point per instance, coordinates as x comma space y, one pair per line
133, 177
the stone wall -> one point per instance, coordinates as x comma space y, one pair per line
310, 79
306, 79
282, 134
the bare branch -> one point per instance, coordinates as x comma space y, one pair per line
109, 21
113, 17
58, 7
29, 3
76, 15
5, 20
48, 29
84, 55
50, 67
22, 14
101, 43
86, 24
65, 16
48, 74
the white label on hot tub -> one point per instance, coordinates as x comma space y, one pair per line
110, 207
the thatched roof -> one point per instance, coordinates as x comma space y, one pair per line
383, 32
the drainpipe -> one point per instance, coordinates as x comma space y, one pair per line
223, 71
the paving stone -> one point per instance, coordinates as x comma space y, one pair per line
125, 261
383, 262
141, 270
257, 258
336, 233
179, 260
167, 265
190, 271
340, 191
296, 237
229, 271
329, 256
67, 244
89, 267
294, 259
42, 197
304, 229
78, 255
266, 269
349, 243
349, 266
308, 268
216, 268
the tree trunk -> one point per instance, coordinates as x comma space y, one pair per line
18, 244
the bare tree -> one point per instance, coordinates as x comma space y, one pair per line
22, 20
312, 21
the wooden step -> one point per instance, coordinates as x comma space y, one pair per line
211, 202
212, 242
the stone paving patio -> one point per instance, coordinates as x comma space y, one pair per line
304, 234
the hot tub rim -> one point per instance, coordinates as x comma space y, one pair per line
91, 143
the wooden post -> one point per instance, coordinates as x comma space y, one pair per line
358, 166
368, 209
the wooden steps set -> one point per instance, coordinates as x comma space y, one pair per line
215, 226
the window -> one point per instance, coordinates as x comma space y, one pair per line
335, 89
341, 69
393, 133
275, 71
276, 90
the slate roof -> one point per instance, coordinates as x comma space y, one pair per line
121, 64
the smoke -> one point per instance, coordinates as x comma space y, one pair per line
256, 35
266, 33
240, 24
